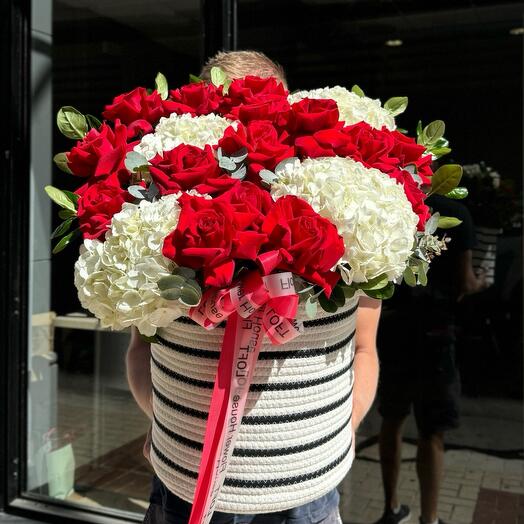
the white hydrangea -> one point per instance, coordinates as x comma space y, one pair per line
352, 108
369, 209
117, 279
183, 129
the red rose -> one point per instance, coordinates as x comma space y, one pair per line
301, 241
99, 200
209, 237
100, 152
328, 142
253, 98
188, 167
135, 105
266, 147
309, 116
197, 99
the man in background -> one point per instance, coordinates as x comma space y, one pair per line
416, 346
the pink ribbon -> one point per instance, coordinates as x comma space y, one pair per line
256, 307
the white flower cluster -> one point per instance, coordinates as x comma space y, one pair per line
183, 129
369, 209
117, 279
352, 108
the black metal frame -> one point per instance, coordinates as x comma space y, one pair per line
219, 28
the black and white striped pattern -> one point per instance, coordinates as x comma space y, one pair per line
295, 441
485, 252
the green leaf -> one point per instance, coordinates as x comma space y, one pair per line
311, 307
71, 122
326, 304
161, 86
419, 128
190, 296
185, 272
64, 214
445, 179
72, 196
458, 193
433, 132
396, 105
64, 227
93, 122
338, 296
375, 283
134, 161
218, 76
59, 197
170, 282
422, 276
448, 222
193, 79
440, 151
432, 224
172, 293
63, 242
356, 89
349, 291
60, 159
409, 277
382, 294
226, 85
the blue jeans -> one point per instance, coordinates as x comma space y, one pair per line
167, 508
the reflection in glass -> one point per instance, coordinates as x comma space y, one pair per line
85, 432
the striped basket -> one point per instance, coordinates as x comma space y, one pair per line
485, 252
295, 441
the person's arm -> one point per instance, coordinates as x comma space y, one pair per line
468, 282
139, 372
365, 366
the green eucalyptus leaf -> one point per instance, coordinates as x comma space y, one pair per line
338, 296
422, 277
240, 173
172, 293
227, 164
375, 283
381, 294
445, 179
193, 79
71, 122
60, 159
93, 122
396, 105
432, 224
185, 272
134, 161
190, 296
311, 308
327, 304
357, 90
161, 86
171, 281
218, 76
458, 193
448, 222
64, 227
434, 131
409, 277
59, 197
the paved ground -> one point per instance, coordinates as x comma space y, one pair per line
480, 485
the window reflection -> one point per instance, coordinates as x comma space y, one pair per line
85, 430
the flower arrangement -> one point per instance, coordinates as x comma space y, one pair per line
187, 190
234, 200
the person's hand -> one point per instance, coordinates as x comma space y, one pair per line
146, 450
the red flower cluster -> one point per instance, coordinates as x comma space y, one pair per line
244, 224
241, 222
